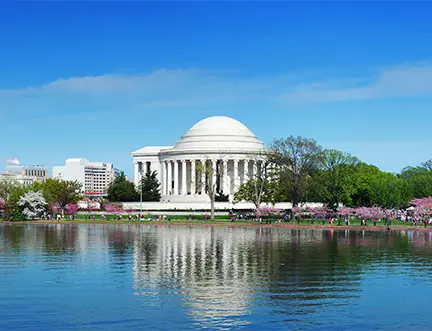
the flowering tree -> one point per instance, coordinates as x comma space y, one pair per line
93, 205
55, 208
2, 205
364, 213
299, 211
320, 212
72, 208
376, 213
424, 202
370, 213
113, 208
33, 204
422, 208
346, 211
268, 211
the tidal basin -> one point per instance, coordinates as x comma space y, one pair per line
162, 277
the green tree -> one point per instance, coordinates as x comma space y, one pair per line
256, 191
59, 192
419, 179
150, 187
389, 191
122, 190
297, 159
371, 186
335, 180
209, 172
10, 193
261, 187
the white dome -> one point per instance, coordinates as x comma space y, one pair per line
219, 133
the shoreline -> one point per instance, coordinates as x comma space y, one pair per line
231, 224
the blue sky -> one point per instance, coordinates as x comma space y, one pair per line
100, 80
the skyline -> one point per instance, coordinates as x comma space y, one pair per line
78, 78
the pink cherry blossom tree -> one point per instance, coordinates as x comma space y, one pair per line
72, 208
113, 208
55, 208
346, 211
424, 202
268, 211
422, 209
320, 212
375, 214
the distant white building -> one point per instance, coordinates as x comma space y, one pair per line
95, 177
25, 174
24, 180
37, 171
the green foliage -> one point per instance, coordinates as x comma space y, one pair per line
58, 192
307, 173
122, 190
10, 193
257, 191
375, 187
390, 191
335, 180
419, 179
150, 187
297, 159
220, 197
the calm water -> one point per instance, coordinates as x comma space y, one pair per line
132, 277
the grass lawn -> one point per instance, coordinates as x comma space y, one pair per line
223, 219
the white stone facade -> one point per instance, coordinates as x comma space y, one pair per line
227, 145
18, 178
35, 171
25, 175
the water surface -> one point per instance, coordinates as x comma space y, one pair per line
161, 277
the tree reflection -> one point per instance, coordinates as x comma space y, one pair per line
221, 274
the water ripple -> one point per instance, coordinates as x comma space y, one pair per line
128, 277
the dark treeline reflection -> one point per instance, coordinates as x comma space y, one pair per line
217, 272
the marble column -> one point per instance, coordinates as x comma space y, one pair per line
245, 171
169, 184
203, 176
163, 180
176, 178
253, 168
236, 162
214, 172
225, 179
136, 174
183, 184
193, 183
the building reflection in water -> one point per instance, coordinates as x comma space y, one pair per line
221, 271
221, 276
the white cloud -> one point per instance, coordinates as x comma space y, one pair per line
402, 81
202, 89
13, 161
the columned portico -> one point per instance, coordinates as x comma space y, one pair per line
219, 142
185, 178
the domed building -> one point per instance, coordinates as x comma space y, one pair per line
225, 143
